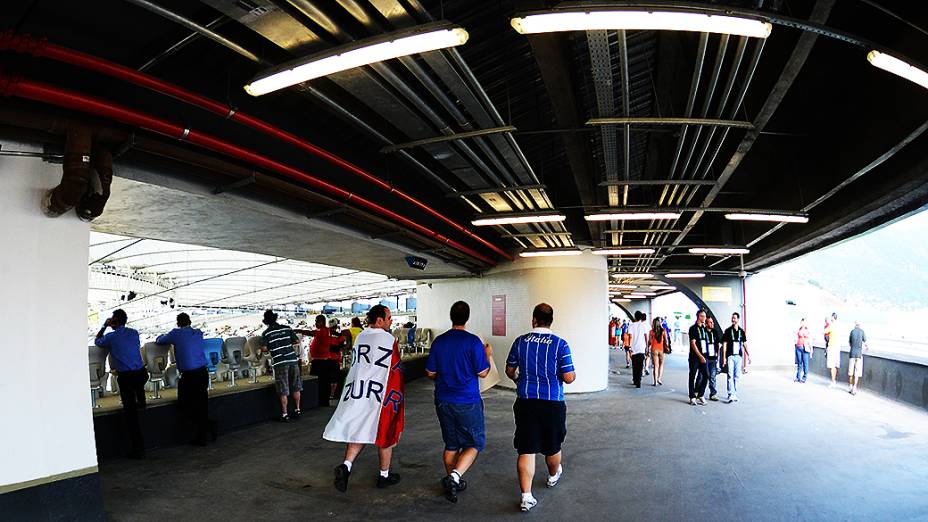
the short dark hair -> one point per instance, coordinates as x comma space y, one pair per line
703, 312
543, 314
736, 314
378, 311
637, 315
269, 317
355, 322
834, 315
460, 313
120, 315
183, 319
321, 318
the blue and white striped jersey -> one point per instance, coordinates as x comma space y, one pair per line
541, 358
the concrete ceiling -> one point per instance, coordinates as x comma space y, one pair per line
148, 205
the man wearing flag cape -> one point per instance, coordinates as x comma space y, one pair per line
371, 407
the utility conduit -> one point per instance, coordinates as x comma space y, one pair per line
40, 47
23, 88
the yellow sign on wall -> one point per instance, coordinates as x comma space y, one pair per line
717, 294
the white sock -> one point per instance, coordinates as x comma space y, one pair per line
527, 496
347, 464
558, 474
385, 473
456, 475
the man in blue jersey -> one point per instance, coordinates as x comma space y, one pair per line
540, 364
192, 388
125, 353
457, 359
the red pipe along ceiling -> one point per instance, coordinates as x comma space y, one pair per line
23, 88
41, 47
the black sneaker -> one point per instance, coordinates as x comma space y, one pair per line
297, 413
385, 482
341, 477
451, 488
283, 418
462, 485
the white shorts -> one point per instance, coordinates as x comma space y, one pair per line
855, 367
833, 358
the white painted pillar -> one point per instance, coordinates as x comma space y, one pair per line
47, 425
575, 286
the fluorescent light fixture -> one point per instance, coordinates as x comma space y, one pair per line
691, 275
635, 275
622, 251
623, 287
549, 253
662, 287
623, 300
631, 216
648, 294
720, 251
667, 20
635, 296
421, 39
513, 220
896, 66
777, 218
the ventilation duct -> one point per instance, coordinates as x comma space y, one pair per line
98, 188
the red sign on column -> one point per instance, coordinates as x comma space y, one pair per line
499, 315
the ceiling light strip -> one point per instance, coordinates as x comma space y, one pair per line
586, 19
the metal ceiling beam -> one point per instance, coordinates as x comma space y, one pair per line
545, 234
492, 190
797, 59
449, 137
671, 121
660, 182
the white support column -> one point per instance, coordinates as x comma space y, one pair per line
575, 286
47, 432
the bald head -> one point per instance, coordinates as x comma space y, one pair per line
543, 315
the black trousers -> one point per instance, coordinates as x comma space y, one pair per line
699, 377
328, 372
132, 392
637, 367
193, 402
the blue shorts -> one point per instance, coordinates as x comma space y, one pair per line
461, 425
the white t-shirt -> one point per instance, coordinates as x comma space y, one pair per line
638, 332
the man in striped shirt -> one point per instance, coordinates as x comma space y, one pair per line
283, 344
540, 364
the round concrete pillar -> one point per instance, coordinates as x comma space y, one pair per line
575, 286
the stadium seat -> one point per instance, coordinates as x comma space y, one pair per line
97, 361
212, 348
254, 357
156, 360
234, 348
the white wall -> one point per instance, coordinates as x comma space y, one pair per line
575, 286
771, 323
47, 425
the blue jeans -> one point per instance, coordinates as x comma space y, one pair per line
713, 375
462, 425
734, 373
802, 364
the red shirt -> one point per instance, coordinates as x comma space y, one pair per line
322, 341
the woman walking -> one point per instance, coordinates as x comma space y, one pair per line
658, 341
803, 349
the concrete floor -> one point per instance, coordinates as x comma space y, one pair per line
785, 452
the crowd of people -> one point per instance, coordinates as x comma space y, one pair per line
371, 406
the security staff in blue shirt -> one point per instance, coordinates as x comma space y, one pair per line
123, 345
192, 388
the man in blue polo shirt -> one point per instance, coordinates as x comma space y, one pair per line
456, 360
192, 389
125, 350
540, 364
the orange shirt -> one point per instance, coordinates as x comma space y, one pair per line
658, 346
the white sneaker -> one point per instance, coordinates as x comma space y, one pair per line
527, 504
701, 401
693, 401
733, 398
832, 386
553, 480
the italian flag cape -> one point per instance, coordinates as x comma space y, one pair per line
371, 407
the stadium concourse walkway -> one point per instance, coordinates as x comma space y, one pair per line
784, 452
